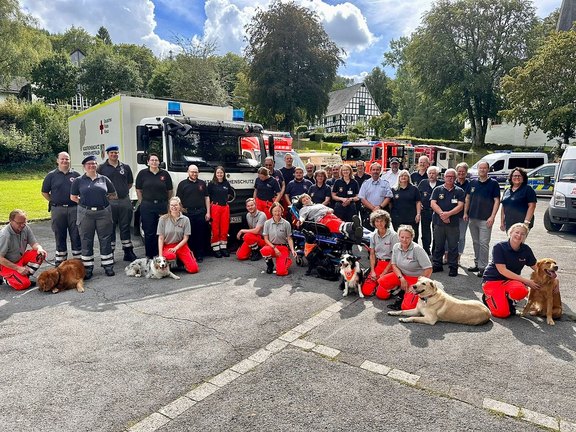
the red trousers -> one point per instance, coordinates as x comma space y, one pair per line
370, 284
332, 222
264, 206
184, 254
498, 292
389, 282
30, 259
220, 224
283, 262
250, 241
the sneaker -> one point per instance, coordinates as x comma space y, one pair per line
357, 229
437, 269
473, 269
397, 305
1, 280
255, 255
269, 266
453, 272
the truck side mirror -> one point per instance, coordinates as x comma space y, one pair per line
142, 139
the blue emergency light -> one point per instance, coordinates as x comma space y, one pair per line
238, 115
174, 108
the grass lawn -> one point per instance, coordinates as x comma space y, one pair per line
22, 191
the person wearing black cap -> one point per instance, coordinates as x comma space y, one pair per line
391, 176
56, 189
91, 191
120, 174
154, 189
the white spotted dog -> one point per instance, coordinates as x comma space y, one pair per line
351, 275
156, 268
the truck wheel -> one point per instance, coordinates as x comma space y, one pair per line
549, 225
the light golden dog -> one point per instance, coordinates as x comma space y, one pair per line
545, 301
69, 274
436, 305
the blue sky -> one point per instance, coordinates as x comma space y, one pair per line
364, 28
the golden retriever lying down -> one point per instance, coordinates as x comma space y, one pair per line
68, 275
436, 305
545, 301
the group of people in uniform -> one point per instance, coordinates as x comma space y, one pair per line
98, 202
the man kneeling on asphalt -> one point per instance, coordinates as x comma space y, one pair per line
253, 240
17, 263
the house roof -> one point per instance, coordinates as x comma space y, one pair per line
14, 86
567, 15
340, 98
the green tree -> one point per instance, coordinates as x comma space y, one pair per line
21, 45
144, 58
228, 67
463, 49
380, 89
104, 36
341, 83
104, 74
159, 83
55, 78
380, 123
75, 38
542, 93
292, 62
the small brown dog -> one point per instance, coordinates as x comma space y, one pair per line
69, 274
546, 300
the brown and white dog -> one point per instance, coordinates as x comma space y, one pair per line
155, 268
351, 276
436, 305
69, 274
545, 301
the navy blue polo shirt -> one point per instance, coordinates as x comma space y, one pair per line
362, 179
92, 192
502, 253
58, 184
192, 194
482, 196
404, 204
447, 200
345, 190
426, 191
416, 177
219, 192
154, 186
120, 176
279, 178
465, 186
319, 194
288, 174
266, 190
296, 188
515, 204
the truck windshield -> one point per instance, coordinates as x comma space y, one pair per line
567, 171
349, 153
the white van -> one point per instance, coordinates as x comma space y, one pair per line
562, 207
503, 162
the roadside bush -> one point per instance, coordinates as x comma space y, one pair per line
336, 137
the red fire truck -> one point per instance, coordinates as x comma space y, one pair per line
377, 151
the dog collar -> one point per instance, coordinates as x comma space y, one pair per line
59, 274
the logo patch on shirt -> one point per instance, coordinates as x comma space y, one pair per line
441, 196
397, 196
472, 189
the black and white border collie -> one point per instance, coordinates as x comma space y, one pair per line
351, 276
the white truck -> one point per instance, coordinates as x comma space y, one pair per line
180, 133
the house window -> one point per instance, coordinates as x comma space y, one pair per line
362, 109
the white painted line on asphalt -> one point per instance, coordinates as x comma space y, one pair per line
3, 302
336, 307
400, 375
202, 391
260, 356
326, 351
501, 407
244, 366
304, 328
224, 378
375, 367
304, 344
174, 409
276, 345
150, 424
290, 336
539, 419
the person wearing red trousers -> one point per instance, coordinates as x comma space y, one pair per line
409, 262
382, 241
266, 191
502, 281
16, 262
173, 233
279, 244
252, 239
219, 191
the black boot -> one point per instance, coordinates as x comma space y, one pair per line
224, 252
109, 270
255, 255
269, 266
129, 254
217, 253
89, 271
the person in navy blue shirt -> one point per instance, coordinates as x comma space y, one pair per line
425, 187
345, 194
518, 201
219, 192
406, 205
266, 191
298, 186
288, 170
361, 174
320, 192
447, 201
480, 210
503, 283
91, 192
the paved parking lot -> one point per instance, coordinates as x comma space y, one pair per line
233, 348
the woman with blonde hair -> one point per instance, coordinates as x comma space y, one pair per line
345, 194
173, 233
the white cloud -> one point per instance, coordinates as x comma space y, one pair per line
129, 21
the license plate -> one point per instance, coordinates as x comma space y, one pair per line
236, 219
